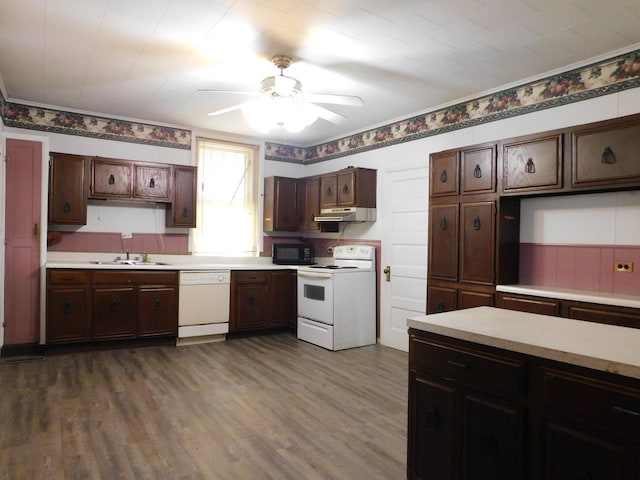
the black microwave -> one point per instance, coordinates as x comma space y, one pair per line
292, 254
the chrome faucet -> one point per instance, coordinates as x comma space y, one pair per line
145, 257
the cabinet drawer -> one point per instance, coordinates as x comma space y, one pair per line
250, 277
613, 406
119, 277
472, 368
68, 277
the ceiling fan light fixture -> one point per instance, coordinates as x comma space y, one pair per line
275, 112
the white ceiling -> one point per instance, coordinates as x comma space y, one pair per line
145, 59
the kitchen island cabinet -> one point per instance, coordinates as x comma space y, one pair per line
503, 394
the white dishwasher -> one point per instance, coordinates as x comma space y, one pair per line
203, 308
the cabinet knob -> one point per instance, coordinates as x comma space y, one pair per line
608, 156
530, 167
67, 307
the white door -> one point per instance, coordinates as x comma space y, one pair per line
404, 250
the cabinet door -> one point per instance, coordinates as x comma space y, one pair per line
347, 188
307, 204
152, 183
281, 295
433, 426
441, 299
279, 204
67, 190
493, 433
532, 165
443, 242
606, 155
114, 313
469, 299
250, 307
478, 170
182, 212
477, 242
110, 178
68, 315
443, 173
328, 191
575, 452
157, 311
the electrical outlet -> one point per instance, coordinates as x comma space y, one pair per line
626, 267
127, 235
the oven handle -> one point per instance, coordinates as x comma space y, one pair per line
314, 275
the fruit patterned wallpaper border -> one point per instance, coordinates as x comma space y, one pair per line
601, 78
69, 123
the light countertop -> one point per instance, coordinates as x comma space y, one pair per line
603, 298
592, 345
168, 266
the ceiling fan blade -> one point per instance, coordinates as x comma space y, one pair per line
328, 115
227, 110
350, 100
210, 90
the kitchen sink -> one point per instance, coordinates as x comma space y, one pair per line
125, 262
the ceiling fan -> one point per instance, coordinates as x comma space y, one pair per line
280, 102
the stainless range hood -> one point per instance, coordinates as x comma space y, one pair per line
346, 214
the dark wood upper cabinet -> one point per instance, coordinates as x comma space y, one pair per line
152, 182
532, 164
606, 154
328, 190
182, 210
111, 178
279, 204
443, 173
351, 187
478, 169
68, 189
307, 204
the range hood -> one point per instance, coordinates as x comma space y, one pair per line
346, 214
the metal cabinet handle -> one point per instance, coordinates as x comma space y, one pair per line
152, 183
345, 189
440, 306
252, 301
625, 411
432, 420
112, 179
67, 307
453, 363
443, 223
67, 207
114, 305
477, 172
156, 304
443, 176
608, 156
476, 223
329, 192
185, 213
530, 167
489, 445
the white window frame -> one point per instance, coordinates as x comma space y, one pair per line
234, 220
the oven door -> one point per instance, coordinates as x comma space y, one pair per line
315, 296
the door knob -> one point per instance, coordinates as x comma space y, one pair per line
387, 272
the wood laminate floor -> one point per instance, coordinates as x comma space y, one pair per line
268, 407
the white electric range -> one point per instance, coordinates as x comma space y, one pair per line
337, 302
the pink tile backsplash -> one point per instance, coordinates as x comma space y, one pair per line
113, 242
583, 267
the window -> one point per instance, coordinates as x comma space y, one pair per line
227, 222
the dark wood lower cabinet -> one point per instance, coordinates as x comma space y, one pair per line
477, 412
262, 299
105, 305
